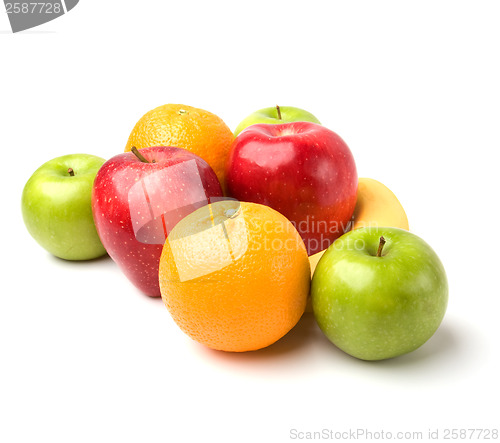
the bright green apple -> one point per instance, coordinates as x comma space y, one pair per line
57, 209
276, 115
379, 292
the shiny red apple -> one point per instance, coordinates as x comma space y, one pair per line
303, 170
137, 199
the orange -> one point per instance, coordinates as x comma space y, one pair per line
196, 130
235, 276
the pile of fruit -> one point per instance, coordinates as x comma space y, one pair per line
241, 233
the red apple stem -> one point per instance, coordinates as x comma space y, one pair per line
279, 111
136, 152
380, 246
71, 172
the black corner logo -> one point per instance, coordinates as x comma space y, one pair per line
28, 14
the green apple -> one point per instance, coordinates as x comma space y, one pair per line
57, 209
379, 292
276, 115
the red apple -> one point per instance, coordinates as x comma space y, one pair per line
303, 170
137, 199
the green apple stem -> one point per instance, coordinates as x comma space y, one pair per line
279, 111
71, 172
136, 152
380, 246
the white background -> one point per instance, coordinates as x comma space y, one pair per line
412, 87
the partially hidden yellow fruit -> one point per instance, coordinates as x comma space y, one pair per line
314, 259
376, 206
194, 129
235, 276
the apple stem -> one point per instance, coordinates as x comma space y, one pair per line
380, 246
71, 172
136, 152
279, 111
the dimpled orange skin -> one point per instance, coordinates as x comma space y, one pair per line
250, 303
196, 130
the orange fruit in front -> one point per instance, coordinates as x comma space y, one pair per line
235, 276
182, 126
